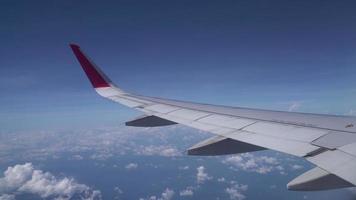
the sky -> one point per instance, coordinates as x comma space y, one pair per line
60, 140
265, 54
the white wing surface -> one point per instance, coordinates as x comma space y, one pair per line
328, 141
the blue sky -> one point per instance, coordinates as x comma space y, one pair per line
297, 55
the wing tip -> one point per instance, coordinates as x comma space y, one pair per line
73, 45
94, 74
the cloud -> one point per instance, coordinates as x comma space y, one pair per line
273, 186
101, 156
77, 157
160, 150
97, 144
235, 191
118, 192
184, 167
186, 192
296, 167
26, 179
167, 194
222, 179
131, 166
351, 112
249, 162
294, 106
202, 176
7, 197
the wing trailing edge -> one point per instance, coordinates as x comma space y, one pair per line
317, 179
218, 145
149, 121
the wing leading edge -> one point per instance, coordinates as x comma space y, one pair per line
328, 141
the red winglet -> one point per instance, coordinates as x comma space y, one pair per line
96, 77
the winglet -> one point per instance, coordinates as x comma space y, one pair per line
97, 78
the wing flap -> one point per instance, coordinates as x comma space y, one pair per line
333, 140
317, 179
337, 162
218, 145
149, 121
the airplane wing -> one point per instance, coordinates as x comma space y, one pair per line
328, 141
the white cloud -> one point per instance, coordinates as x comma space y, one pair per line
131, 166
25, 179
170, 152
118, 192
296, 167
160, 150
184, 167
351, 112
97, 144
167, 194
77, 157
251, 163
222, 179
202, 176
101, 156
186, 192
294, 106
235, 191
273, 186
280, 168
7, 197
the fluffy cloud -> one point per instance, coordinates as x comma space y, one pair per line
77, 157
7, 197
131, 166
296, 167
160, 150
251, 163
167, 194
25, 179
222, 179
118, 192
202, 176
186, 192
236, 191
